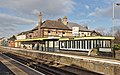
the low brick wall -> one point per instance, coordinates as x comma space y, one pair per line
95, 66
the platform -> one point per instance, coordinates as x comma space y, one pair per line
16, 68
98, 65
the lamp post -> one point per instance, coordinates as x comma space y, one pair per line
113, 17
113, 22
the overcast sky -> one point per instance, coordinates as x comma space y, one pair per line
21, 15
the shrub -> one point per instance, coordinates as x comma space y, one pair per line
117, 47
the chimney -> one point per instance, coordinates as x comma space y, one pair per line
65, 20
39, 25
40, 18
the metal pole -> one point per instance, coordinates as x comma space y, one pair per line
113, 22
113, 17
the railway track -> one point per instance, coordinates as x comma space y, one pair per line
40, 66
49, 67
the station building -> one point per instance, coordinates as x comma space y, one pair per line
48, 32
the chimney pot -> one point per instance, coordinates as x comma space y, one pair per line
65, 20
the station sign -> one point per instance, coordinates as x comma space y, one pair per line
75, 31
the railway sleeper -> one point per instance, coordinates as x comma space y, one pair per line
64, 72
51, 66
43, 69
20, 59
52, 70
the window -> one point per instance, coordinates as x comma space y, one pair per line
48, 31
30, 36
73, 44
79, 46
63, 32
56, 33
89, 44
65, 46
107, 43
69, 44
87, 34
76, 44
82, 34
82, 43
62, 44
94, 43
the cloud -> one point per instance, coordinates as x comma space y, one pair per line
106, 12
49, 7
117, 1
17, 20
20, 13
87, 7
10, 24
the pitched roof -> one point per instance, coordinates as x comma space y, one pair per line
97, 33
59, 25
52, 24
35, 28
26, 32
70, 25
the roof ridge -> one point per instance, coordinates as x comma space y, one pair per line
54, 20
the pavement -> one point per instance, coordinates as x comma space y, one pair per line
4, 70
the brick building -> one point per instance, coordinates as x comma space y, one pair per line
56, 28
49, 29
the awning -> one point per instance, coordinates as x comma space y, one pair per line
35, 39
96, 37
60, 39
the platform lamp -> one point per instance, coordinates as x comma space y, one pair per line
113, 16
113, 22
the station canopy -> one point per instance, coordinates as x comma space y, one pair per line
37, 39
63, 38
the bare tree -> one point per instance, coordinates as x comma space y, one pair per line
117, 34
109, 32
104, 32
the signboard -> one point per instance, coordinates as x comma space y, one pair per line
21, 37
52, 37
105, 49
75, 31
